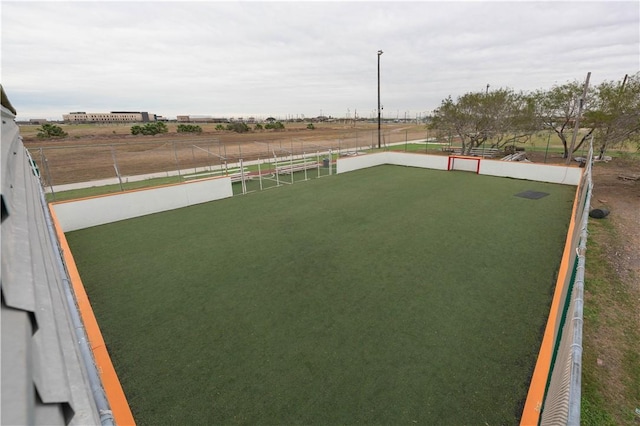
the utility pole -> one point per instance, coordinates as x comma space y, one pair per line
379, 117
576, 127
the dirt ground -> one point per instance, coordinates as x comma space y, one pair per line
612, 339
83, 156
622, 197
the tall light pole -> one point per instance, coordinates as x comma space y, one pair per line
379, 121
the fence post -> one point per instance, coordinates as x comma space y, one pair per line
193, 157
330, 162
426, 144
291, 164
209, 157
115, 166
45, 162
547, 150
175, 155
242, 178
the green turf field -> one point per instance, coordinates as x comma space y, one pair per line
388, 295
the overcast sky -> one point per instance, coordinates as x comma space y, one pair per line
284, 59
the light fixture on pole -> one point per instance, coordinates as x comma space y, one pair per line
379, 120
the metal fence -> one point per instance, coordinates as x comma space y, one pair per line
562, 400
74, 166
554, 396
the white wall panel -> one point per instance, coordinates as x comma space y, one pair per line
518, 170
532, 171
437, 162
349, 164
79, 214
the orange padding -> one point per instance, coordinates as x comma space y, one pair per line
110, 382
535, 397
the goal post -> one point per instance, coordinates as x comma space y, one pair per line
461, 162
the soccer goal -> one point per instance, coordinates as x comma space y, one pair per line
467, 164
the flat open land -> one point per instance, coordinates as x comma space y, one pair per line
388, 295
91, 152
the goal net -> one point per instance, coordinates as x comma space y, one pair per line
467, 164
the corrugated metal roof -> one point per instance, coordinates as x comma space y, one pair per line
44, 380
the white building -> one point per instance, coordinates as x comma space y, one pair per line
109, 117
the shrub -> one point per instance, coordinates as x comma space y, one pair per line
310, 126
275, 126
238, 127
149, 129
47, 131
189, 128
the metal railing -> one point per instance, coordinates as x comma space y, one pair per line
563, 391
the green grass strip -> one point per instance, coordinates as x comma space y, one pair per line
609, 396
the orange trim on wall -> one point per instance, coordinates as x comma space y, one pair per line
110, 382
535, 396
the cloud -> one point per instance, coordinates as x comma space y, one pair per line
277, 58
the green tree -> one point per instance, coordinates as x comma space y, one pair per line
48, 131
557, 109
258, 126
496, 117
615, 113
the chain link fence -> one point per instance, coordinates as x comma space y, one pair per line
555, 391
134, 164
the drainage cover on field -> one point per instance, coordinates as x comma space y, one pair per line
532, 195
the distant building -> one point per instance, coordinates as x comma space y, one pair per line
109, 117
38, 121
200, 119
